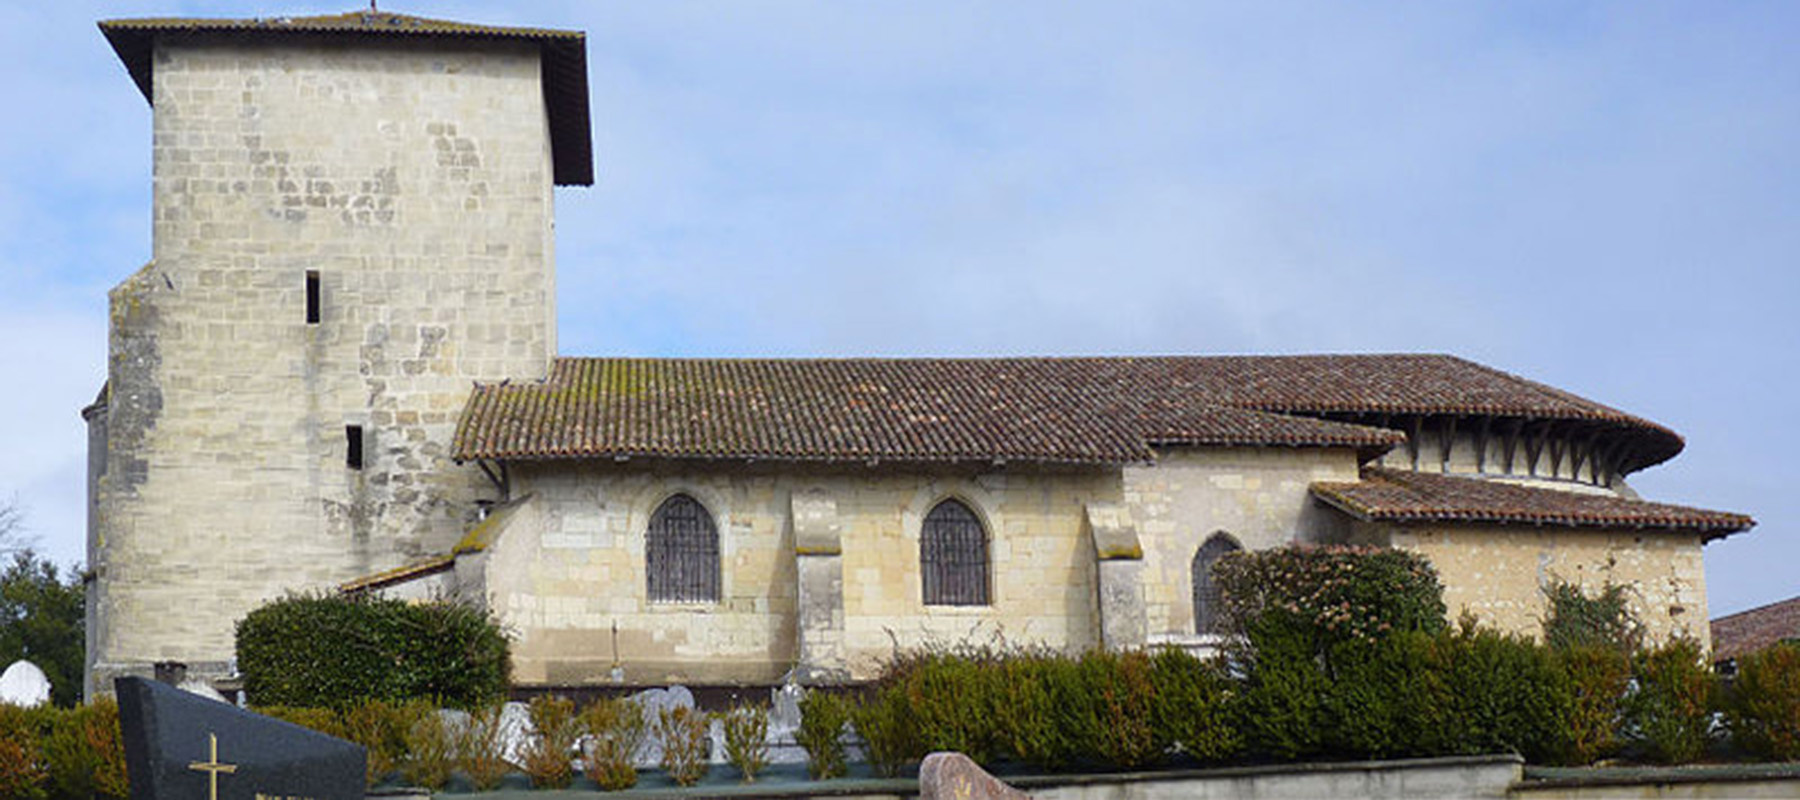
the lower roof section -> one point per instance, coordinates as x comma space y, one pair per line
1388, 495
1735, 635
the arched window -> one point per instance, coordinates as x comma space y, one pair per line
681, 551
1206, 592
953, 553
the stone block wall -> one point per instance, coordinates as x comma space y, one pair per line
414, 181
1259, 496
564, 575
1499, 572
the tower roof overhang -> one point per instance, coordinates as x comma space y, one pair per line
563, 61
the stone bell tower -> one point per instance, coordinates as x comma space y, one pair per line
353, 222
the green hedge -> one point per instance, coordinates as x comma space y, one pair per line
49, 753
334, 651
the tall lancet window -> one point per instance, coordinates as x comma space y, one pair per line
1206, 590
681, 551
953, 555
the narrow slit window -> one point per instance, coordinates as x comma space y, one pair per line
312, 297
353, 451
1208, 599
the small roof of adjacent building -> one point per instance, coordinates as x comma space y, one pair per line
1398, 496
564, 60
1062, 410
1736, 635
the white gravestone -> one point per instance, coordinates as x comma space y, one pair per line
23, 684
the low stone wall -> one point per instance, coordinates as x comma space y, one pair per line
1721, 781
1474, 776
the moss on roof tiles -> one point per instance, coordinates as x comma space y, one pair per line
1052, 410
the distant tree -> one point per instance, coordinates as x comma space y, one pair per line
42, 612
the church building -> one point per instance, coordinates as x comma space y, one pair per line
339, 372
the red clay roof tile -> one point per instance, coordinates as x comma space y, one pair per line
1746, 632
1070, 410
1403, 497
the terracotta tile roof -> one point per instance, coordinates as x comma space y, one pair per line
859, 410
402, 574
1735, 635
1075, 410
1399, 496
564, 61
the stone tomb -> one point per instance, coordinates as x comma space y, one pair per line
180, 746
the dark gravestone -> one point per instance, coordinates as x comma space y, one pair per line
180, 746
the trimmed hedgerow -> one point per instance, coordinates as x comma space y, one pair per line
335, 651
23, 772
1668, 716
1192, 714
1764, 709
1598, 677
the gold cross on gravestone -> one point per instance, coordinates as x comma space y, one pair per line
212, 767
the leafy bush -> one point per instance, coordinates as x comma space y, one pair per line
554, 733
1598, 677
1123, 701
884, 722
381, 728
1041, 710
1577, 620
481, 747
23, 772
321, 720
1282, 712
83, 751
1669, 715
334, 651
616, 730
431, 749
682, 731
1381, 695
1500, 693
950, 700
821, 734
746, 738
1764, 712
1193, 706
1332, 593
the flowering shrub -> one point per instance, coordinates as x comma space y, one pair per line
1332, 593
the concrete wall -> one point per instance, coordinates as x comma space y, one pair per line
415, 179
1499, 572
1260, 496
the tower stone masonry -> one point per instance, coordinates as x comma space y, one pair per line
352, 223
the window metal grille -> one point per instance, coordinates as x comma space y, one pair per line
953, 551
682, 553
1206, 591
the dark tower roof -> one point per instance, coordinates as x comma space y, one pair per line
564, 61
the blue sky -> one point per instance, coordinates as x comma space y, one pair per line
1604, 197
